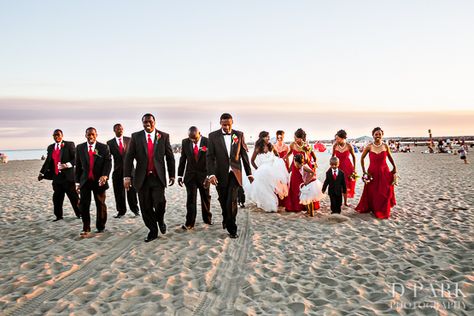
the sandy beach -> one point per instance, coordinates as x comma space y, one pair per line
282, 263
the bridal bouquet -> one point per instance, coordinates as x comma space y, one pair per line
367, 178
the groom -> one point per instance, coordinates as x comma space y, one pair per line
225, 154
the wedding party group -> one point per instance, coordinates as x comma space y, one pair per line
282, 176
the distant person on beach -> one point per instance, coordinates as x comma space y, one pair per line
150, 148
335, 182
342, 150
225, 156
93, 165
192, 173
118, 149
463, 153
378, 195
282, 148
59, 167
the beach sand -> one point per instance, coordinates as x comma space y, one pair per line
282, 263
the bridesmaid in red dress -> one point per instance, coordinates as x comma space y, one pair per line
342, 150
299, 146
378, 196
283, 150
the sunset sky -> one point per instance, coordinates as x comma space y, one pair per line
321, 65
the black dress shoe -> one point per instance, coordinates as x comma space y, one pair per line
162, 228
148, 239
99, 231
234, 235
118, 216
78, 216
57, 219
136, 214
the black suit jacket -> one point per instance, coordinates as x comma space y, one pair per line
195, 170
336, 187
68, 154
218, 161
138, 150
118, 158
102, 163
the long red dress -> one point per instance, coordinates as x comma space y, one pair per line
282, 155
347, 167
379, 194
292, 201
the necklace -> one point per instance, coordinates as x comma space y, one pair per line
381, 143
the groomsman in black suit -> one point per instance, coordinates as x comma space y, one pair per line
93, 164
336, 181
59, 167
193, 159
118, 148
149, 148
225, 155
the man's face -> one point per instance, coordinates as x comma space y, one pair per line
226, 125
118, 130
91, 136
194, 136
58, 136
148, 124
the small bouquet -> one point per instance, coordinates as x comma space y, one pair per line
367, 178
307, 148
395, 179
354, 176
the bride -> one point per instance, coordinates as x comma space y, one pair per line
270, 175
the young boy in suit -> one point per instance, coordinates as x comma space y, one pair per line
335, 179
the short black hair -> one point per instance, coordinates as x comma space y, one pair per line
376, 130
58, 130
341, 134
193, 129
89, 128
280, 132
299, 158
226, 116
117, 125
147, 115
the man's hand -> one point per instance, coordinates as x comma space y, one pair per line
40, 177
250, 178
127, 183
171, 182
213, 180
62, 166
180, 181
102, 181
78, 188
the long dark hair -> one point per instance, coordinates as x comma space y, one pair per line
260, 143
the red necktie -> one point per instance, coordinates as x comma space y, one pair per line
120, 146
90, 176
150, 167
334, 175
56, 157
196, 152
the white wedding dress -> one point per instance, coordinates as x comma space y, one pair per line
270, 182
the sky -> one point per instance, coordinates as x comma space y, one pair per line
321, 65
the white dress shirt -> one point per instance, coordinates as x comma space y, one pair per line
118, 139
152, 135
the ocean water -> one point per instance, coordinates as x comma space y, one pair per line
24, 154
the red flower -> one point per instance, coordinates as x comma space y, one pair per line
158, 136
62, 145
204, 148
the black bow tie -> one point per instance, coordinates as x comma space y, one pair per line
226, 134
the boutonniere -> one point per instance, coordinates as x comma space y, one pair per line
158, 136
62, 145
96, 153
235, 138
203, 149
